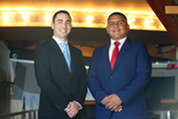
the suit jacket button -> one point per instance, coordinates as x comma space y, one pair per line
111, 77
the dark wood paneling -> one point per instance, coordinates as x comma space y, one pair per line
170, 22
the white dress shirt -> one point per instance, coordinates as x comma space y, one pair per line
111, 48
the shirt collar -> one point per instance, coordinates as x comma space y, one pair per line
58, 40
120, 41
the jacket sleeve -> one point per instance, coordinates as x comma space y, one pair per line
81, 93
93, 83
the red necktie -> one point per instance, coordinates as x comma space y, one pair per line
114, 54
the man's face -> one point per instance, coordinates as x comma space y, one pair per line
61, 26
117, 27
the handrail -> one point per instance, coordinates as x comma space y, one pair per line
4, 115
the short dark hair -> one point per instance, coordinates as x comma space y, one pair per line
117, 13
61, 11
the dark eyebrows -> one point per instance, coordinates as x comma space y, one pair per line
119, 21
68, 20
60, 20
111, 22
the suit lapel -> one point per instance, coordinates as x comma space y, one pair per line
106, 57
71, 57
126, 46
58, 52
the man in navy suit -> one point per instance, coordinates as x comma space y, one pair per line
118, 85
62, 81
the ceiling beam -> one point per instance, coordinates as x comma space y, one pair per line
171, 9
170, 22
166, 52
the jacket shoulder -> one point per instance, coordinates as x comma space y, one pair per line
44, 44
73, 48
137, 44
102, 47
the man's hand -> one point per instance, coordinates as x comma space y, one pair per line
117, 109
112, 102
105, 100
72, 109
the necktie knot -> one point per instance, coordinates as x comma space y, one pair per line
64, 45
116, 44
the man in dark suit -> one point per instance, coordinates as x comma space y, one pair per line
62, 80
118, 74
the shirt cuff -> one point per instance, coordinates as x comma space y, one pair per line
80, 106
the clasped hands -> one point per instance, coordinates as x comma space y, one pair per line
72, 109
112, 102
